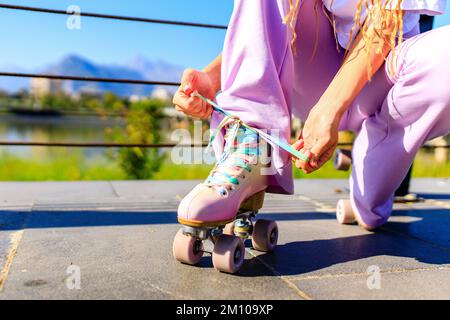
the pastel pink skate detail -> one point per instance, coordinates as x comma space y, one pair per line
236, 178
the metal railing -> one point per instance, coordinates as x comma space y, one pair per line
113, 17
142, 145
92, 79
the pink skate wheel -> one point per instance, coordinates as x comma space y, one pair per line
229, 229
228, 254
344, 212
342, 159
265, 235
187, 249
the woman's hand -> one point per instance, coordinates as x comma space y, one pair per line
206, 82
194, 81
319, 137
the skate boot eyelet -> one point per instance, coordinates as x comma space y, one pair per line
223, 192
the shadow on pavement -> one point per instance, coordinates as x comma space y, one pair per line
10, 220
434, 196
426, 240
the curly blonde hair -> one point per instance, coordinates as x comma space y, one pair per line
380, 14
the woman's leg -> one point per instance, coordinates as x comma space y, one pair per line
416, 109
257, 77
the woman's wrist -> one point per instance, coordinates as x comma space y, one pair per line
333, 107
214, 76
213, 71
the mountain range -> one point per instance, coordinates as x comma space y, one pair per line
138, 68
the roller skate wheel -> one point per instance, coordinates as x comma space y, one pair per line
229, 229
342, 160
344, 212
265, 235
228, 254
187, 249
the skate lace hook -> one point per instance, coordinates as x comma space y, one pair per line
229, 118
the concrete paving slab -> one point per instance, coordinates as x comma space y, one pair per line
314, 244
11, 226
131, 259
429, 224
154, 189
54, 191
114, 204
435, 191
320, 187
431, 188
414, 284
15, 206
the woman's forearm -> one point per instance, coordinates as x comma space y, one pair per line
354, 75
214, 72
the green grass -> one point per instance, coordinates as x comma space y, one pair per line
426, 166
72, 166
59, 168
170, 171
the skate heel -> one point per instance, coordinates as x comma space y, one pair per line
255, 202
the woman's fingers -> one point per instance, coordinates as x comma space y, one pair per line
189, 81
191, 105
305, 165
319, 162
318, 150
180, 100
186, 101
318, 155
326, 156
200, 108
183, 99
302, 164
298, 145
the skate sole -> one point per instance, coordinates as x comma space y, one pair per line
253, 203
200, 224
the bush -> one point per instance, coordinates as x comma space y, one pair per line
142, 127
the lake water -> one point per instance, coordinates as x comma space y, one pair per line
70, 128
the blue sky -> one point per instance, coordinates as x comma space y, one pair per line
34, 39
31, 40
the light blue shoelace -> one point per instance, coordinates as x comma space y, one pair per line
229, 118
239, 141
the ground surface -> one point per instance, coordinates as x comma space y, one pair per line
118, 235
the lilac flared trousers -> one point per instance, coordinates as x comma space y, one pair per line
264, 83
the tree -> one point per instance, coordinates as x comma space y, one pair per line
142, 127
